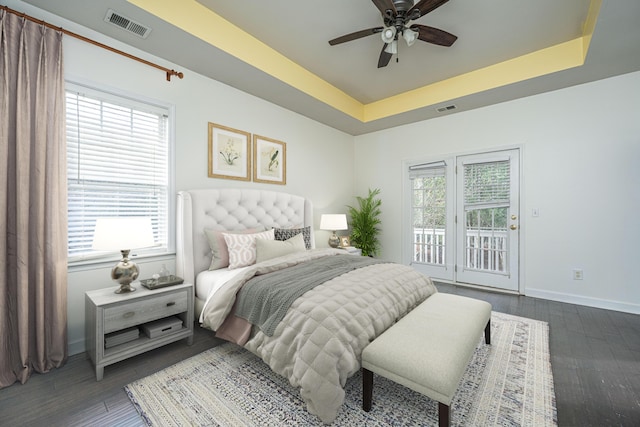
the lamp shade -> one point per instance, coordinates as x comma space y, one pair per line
409, 36
392, 47
333, 222
116, 234
388, 34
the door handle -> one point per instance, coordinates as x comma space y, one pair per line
513, 227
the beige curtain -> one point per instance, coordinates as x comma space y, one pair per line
33, 200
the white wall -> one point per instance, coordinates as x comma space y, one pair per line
319, 158
581, 155
581, 150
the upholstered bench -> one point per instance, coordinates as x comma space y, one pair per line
428, 350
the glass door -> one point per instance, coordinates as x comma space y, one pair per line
431, 225
487, 219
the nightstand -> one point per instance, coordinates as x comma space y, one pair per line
351, 250
112, 320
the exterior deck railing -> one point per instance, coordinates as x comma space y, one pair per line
485, 249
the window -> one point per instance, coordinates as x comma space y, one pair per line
117, 165
428, 212
487, 194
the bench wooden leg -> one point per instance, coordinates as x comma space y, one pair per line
487, 333
367, 389
443, 415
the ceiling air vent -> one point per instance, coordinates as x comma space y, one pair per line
446, 108
127, 24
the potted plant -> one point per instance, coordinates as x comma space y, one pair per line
364, 223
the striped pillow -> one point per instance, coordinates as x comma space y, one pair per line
242, 247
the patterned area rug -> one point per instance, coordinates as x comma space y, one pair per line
508, 384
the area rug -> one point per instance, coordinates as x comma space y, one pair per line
508, 383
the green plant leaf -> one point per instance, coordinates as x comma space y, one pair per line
365, 221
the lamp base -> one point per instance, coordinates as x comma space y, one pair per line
334, 240
124, 273
125, 288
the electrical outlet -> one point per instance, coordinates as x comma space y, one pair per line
578, 274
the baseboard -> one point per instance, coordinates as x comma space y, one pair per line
582, 300
76, 347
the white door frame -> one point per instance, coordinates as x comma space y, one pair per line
407, 238
509, 279
444, 272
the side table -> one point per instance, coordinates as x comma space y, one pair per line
111, 315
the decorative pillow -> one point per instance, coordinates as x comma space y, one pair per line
287, 233
219, 250
242, 247
267, 249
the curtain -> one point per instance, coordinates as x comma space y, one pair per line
33, 198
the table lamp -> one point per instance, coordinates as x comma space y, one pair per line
114, 234
333, 222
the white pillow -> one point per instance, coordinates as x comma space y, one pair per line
242, 247
267, 249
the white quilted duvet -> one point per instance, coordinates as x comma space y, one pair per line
318, 344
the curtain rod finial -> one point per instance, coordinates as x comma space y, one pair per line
174, 73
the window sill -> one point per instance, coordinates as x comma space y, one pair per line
97, 263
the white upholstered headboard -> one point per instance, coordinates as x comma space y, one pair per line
230, 209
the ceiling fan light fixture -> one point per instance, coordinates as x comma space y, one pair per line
409, 36
388, 34
392, 47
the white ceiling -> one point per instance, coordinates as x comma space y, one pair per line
489, 32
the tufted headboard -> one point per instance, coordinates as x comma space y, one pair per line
230, 209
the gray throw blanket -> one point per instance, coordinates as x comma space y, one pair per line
264, 300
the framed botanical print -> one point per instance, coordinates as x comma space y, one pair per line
269, 160
229, 153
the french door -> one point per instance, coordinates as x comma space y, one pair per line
465, 219
487, 214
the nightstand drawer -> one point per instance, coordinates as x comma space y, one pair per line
141, 311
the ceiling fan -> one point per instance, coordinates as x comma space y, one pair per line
397, 16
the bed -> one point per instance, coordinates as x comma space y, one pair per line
307, 312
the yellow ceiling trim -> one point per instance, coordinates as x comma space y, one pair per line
545, 61
590, 24
201, 22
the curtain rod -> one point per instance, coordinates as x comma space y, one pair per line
93, 42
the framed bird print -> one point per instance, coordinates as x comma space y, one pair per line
269, 160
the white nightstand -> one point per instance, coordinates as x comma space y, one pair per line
110, 314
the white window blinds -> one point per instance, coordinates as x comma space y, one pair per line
427, 169
117, 165
487, 184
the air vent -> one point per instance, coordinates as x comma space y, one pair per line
127, 24
446, 108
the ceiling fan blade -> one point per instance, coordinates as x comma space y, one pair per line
384, 5
434, 35
354, 36
424, 7
385, 57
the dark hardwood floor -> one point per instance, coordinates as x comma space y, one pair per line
595, 357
